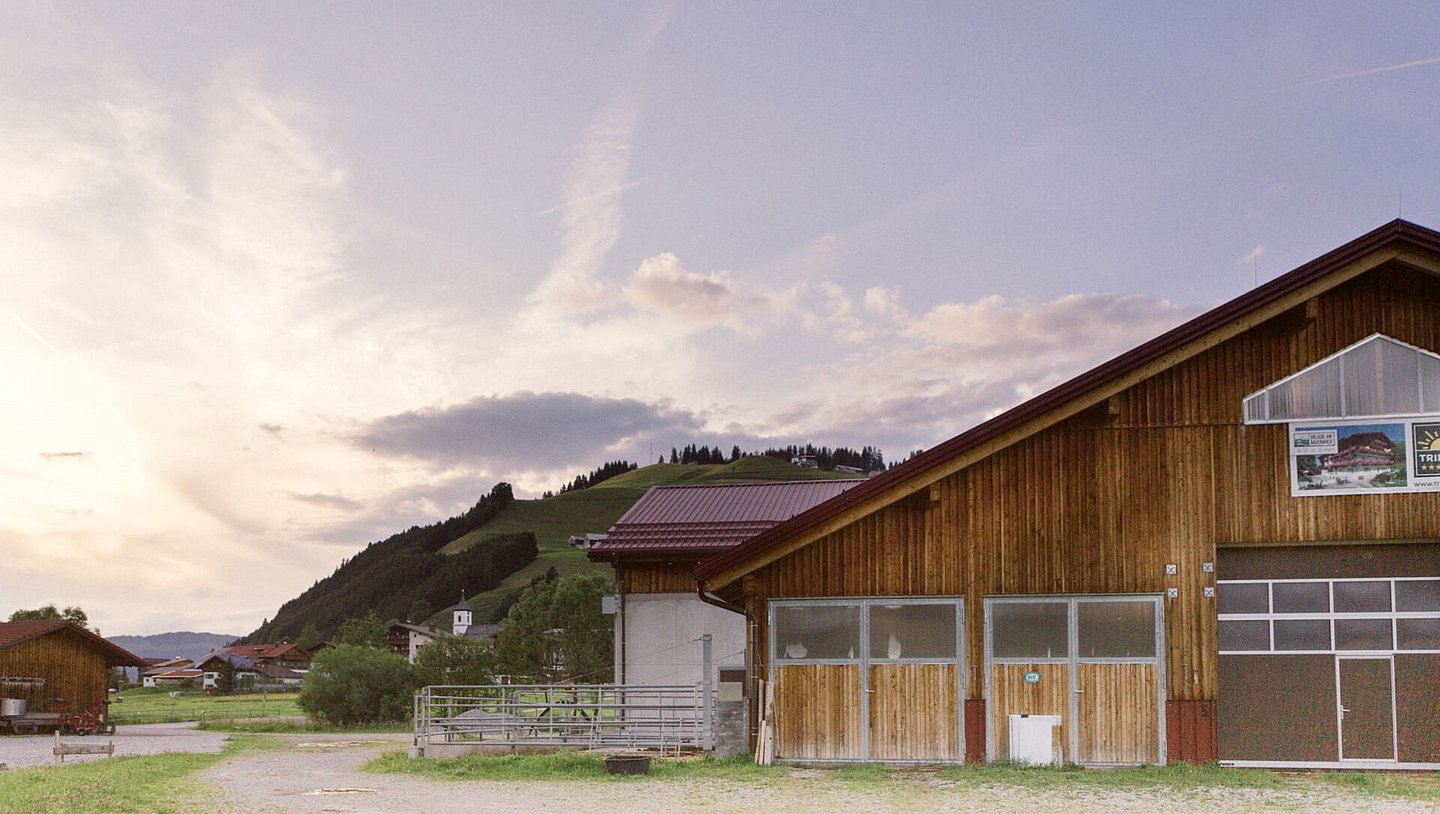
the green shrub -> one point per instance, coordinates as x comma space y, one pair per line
349, 685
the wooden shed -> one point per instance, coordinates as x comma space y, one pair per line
58, 666
1222, 544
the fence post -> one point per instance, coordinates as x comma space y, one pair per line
706, 688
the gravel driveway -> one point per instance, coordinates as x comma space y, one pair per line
321, 774
20, 751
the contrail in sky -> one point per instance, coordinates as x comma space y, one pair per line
1357, 74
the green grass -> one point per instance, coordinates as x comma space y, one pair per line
1179, 777
154, 705
158, 784
296, 727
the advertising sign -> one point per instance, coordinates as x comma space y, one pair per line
1364, 457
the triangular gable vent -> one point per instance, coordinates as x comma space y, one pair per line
1375, 377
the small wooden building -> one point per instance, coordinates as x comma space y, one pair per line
1222, 544
58, 666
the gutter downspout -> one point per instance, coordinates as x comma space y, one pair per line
750, 646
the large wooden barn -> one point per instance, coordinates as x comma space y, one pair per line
1223, 544
58, 666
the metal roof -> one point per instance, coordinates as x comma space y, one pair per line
710, 518
915, 473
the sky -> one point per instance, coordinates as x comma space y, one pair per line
281, 279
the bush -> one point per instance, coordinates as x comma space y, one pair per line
350, 685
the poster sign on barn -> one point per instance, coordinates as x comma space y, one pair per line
1364, 457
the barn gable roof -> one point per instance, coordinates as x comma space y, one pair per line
14, 633
709, 518
1398, 240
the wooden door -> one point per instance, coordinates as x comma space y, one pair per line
817, 712
1118, 716
914, 712
1367, 709
1011, 694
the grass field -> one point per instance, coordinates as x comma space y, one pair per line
160, 784
150, 705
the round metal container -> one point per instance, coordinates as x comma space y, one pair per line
12, 707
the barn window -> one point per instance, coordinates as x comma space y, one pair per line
1362, 597
1301, 597
1245, 597
1377, 376
817, 631
1112, 629
1030, 630
1417, 595
922, 631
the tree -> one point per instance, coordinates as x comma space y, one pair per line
309, 638
419, 611
367, 631
351, 684
455, 660
559, 624
49, 613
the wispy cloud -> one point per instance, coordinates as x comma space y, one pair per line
1325, 80
1254, 255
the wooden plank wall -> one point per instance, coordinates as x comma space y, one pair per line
75, 674
914, 712
1010, 695
817, 712
654, 577
1161, 473
1118, 717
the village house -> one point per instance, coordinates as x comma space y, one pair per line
406, 639
659, 614
1222, 544
54, 667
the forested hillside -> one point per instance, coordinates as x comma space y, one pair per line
405, 576
502, 544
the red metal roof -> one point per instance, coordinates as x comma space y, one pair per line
13, 633
1397, 234
710, 518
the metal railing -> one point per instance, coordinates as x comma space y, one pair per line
595, 716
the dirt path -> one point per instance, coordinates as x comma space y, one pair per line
322, 775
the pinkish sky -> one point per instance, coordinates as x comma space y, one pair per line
280, 279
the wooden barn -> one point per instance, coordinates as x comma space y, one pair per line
57, 667
1223, 544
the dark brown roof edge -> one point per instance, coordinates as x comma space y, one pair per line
1396, 231
119, 656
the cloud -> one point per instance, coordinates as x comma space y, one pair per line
525, 430
1251, 258
51, 457
663, 286
329, 501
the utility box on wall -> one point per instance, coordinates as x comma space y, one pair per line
1033, 739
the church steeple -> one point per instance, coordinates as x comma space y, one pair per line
462, 617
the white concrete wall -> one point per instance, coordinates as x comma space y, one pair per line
660, 634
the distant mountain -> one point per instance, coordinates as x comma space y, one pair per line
185, 644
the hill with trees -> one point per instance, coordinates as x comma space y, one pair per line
502, 545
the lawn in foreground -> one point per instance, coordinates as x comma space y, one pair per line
155, 784
1176, 777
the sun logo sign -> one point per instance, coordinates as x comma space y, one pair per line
1427, 450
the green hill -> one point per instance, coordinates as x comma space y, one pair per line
596, 509
486, 551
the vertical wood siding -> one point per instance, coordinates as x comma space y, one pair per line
1163, 473
1118, 719
75, 674
656, 577
914, 712
817, 712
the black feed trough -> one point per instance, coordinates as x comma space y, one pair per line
627, 764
